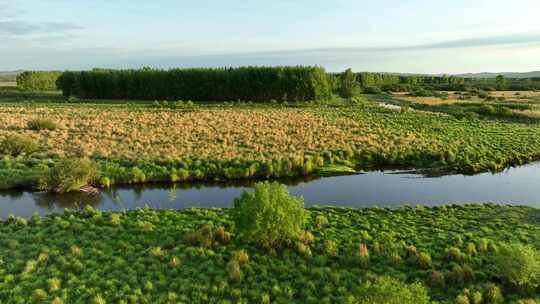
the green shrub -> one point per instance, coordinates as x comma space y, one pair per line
16, 145
386, 290
437, 279
493, 294
41, 124
269, 215
330, 248
424, 260
421, 92
372, 90
68, 174
462, 299
518, 265
321, 221
38, 80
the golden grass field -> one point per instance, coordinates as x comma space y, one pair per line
117, 132
8, 83
514, 94
452, 97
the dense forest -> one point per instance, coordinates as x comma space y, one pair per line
296, 83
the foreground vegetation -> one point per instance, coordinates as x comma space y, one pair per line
446, 254
184, 141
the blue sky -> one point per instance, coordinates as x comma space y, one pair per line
417, 36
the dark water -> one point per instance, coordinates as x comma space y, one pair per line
520, 186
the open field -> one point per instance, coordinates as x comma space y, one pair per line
458, 97
524, 105
146, 258
141, 143
8, 83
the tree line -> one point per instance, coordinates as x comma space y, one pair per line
284, 83
292, 83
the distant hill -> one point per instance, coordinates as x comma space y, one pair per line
505, 74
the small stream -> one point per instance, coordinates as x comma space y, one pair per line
518, 186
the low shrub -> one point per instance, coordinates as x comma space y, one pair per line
437, 279
269, 216
493, 294
387, 290
330, 248
372, 90
424, 260
68, 174
16, 145
38, 124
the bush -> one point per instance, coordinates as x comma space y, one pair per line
518, 265
493, 294
16, 145
41, 124
372, 90
38, 80
421, 92
386, 290
69, 174
269, 215
424, 260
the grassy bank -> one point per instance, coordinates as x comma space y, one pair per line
185, 142
151, 256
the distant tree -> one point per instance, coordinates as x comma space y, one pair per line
349, 86
500, 81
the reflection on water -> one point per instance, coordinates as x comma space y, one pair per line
387, 188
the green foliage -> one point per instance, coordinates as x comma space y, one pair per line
38, 80
348, 85
387, 290
493, 294
519, 265
16, 145
268, 215
41, 124
77, 255
68, 174
260, 84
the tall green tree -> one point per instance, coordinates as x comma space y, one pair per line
500, 81
349, 85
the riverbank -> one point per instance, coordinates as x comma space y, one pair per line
183, 142
146, 258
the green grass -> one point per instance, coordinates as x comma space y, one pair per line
142, 256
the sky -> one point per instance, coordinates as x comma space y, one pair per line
412, 36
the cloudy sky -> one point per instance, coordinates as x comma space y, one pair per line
416, 36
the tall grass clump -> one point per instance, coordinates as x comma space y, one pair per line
69, 174
294, 83
269, 216
16, 145
387, 290
38, 124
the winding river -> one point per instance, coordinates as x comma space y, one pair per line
518, 186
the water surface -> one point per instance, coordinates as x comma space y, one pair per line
517, 186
